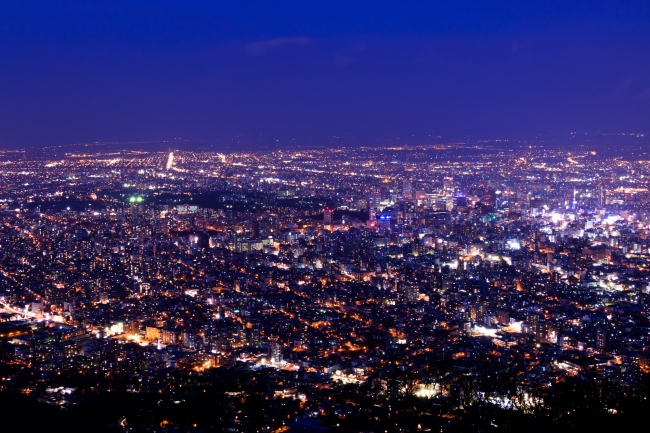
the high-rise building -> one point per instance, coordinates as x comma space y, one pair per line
574, 203
275, 352
601, 339
328, 219
407, 190
448, 184
375, 199
602, 195
170, 161
372, 217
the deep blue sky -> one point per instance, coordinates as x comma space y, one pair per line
74, 71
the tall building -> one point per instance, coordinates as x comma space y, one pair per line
384, 221
448, 184
275, 352
407, 190
601, 339
375, 199
575, 201
328, 218
372, 217
170, 161
602, 195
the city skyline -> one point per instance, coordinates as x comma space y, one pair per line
450, 286
310, 217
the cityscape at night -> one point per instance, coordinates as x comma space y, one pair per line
298, 286
350, 217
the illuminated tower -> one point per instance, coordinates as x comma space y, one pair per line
170, 161
328, 218
575, 202
275, 352
407, 190
372, 217
448, 184
601, 339
375, 199
602, 195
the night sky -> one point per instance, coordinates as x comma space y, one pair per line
73, 71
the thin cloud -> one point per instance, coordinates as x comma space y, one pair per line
274, 44
348, 55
